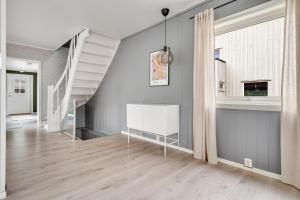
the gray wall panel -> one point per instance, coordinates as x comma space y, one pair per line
249, 134
127, 81
274, 144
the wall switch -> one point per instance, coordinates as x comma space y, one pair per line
248, 162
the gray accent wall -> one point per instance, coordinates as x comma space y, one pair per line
240, 134
127, 80
250, 134
53, 64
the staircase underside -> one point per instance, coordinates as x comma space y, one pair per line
89, 58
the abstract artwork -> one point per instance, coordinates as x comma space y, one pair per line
159, 72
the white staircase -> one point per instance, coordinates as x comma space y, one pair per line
89, 58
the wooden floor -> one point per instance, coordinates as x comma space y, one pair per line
49, 166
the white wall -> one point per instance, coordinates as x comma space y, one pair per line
253, 53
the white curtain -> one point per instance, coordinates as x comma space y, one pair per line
204, 109
290, 116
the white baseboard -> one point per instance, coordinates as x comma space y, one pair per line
221, 160
254, 170
2, 195
189, 151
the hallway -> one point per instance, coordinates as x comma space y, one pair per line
21, 121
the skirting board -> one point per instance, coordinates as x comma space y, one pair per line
254, 170
189, 151
221, 160
2, 195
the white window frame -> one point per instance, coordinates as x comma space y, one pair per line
255, 15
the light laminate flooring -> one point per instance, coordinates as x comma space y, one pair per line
44, 165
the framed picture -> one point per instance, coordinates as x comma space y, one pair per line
159, 72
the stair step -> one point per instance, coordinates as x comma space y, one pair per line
85, 84
94, 59
102, 40
86, 67
88, 76
81, 97
82, 91
93, 48
95, 54
101, 45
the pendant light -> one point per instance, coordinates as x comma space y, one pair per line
166, 55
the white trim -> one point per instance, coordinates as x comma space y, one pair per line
2, 195
30, 46
39, 95
255, 15
74, 119
248, 106
31, 94
3, 100
189, 151
254, 170
249, 103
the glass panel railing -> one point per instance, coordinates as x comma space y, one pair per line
68, 123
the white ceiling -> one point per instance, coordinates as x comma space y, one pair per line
22, 65
50, 23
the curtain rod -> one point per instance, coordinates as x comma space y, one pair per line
220, 6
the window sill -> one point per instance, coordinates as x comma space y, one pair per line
250, 103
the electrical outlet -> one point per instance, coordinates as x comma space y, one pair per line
248, 162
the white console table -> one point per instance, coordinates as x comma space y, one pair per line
156, 119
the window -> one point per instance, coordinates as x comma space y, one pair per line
250, 53
256, 89
19, 86
248, 58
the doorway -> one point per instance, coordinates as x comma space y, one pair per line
23, 93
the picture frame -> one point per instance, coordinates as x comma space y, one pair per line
158, 72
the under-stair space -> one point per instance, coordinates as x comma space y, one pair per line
89, 58
83, 124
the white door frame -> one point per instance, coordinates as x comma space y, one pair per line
39, 88
3, 102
